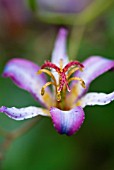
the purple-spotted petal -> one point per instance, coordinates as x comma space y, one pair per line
92, 99
93, 67
67, 122
24, 74
59, 51
24, 113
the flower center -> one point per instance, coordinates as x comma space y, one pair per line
64, 74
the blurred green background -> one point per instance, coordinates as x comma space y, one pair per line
28, 30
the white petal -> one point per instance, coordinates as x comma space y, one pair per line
24, 113
92, 99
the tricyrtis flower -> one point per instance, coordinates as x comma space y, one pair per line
64, 103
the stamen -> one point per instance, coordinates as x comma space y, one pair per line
47, 84
64, 77
72, 71
49, 73
77, 78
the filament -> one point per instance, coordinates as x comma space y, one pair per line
49, 73
47, 84
79, 79
72, 71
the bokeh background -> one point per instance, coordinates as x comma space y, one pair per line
28, 30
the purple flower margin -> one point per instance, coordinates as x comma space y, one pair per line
23, 74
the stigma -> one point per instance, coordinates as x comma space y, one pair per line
65, 76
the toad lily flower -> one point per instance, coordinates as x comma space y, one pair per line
70, 81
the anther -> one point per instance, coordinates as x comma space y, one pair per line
42, 91
64, 77
83, 84
47, 84
79, 79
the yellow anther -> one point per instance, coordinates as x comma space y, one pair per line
83, 84
42, 91
39, 72
79, 79
62, 79
48, 72
47, 84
